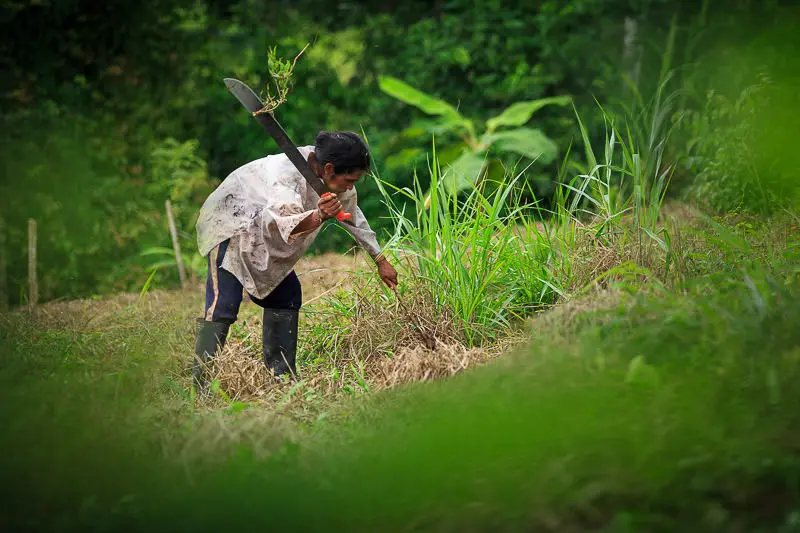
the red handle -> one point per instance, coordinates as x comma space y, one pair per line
341, 216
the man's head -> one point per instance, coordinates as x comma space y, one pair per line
340, 158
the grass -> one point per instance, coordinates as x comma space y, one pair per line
657, 393
469, 255
652, 411
485, 264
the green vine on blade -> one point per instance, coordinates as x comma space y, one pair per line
280, 80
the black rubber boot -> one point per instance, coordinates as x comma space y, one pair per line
280, 341
211, 338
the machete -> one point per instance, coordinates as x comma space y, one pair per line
253, 104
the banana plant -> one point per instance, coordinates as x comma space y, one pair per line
504, 134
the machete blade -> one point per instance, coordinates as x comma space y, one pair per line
253, 103
244, 94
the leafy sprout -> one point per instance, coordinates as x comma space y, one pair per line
280, 79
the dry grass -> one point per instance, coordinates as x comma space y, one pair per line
354, 336
216, 436
621, 252
378, 343
320, 275
566, 317
382, 325
377, 346
323, 274
418, 363
120, 311
358, 338
243, 377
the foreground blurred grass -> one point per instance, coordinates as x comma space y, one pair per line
639, 410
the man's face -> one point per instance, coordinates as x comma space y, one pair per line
340, 183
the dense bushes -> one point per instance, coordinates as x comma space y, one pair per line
739, 115
112, 96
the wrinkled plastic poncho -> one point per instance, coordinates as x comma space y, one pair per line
257, 207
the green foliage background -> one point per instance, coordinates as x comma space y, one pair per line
107, 111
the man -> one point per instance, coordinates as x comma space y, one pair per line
255, 227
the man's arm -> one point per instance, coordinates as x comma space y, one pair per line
284, 207
310, 223
359, 227
327, 207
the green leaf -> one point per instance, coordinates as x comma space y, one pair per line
157, 250
463, 172
519, 113
411, 96
224, 394
421, 127
146, 286
447, 156
590, 157
424, 128
404, 158
238, 407
528, 142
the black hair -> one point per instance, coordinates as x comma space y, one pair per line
344, 149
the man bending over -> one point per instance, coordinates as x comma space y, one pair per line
255, 227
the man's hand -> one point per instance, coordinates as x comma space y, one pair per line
387, 273
328, 206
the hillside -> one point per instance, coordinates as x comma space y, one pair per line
634, 406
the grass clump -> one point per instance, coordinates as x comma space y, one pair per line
470, 257
486, 262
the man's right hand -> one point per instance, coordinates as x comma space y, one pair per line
328, 206
387, 273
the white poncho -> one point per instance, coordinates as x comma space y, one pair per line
257, 207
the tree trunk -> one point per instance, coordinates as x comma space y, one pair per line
3, 268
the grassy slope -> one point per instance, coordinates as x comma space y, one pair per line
573, 432
557, 439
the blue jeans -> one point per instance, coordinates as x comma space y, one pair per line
224, 291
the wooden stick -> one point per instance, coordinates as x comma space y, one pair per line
3, 268
175, 245
33, 287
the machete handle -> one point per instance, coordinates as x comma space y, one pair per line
341, 216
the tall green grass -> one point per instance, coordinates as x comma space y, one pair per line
470, 252
489, 262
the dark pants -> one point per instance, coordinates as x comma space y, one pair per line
224, 292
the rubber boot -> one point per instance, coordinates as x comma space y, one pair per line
210, 339
280, 341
